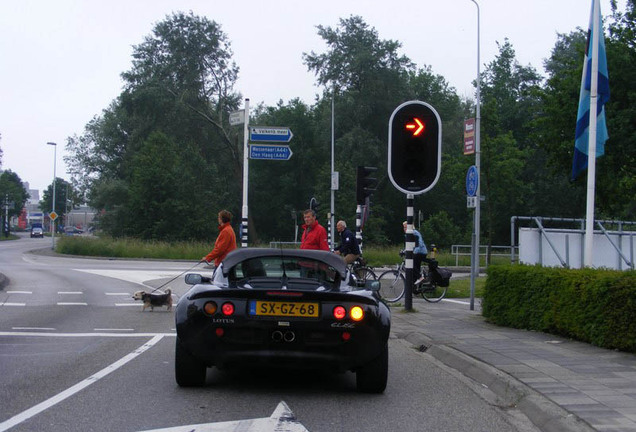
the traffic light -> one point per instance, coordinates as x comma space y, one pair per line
415, 147
365, 185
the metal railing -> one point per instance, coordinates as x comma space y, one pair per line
465, 250
565, 261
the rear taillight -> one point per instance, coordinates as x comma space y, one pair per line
356, 313
339, 312
210, 308
227, 309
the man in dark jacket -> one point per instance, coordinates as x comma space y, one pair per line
348, 249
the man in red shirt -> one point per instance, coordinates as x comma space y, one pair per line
314, 235
225, 242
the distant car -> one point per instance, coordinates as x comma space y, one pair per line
71, 230
37, 232
282, 308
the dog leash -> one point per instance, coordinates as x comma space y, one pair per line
177, 276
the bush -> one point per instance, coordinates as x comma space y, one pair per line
594, 306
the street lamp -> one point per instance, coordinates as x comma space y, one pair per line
53, 209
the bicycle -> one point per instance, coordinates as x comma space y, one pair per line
393, 283
361, 271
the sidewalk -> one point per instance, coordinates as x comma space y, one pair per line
560, 384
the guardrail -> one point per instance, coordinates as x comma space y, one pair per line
465, 250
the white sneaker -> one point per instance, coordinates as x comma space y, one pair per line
420, 280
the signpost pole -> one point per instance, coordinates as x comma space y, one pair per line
475, 252
244, 236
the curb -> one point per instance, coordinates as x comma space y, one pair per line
542, 412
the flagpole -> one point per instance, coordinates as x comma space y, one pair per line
591, 173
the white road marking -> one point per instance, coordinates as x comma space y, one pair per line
19, 292
13, 304
80, 335
113, 329
72, 304
118, 294
456, 301
33, 328
127, 304
281, 420
25, 415
135, 276
69, 292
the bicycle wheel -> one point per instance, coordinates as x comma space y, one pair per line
433, 293
364, 274
392, 285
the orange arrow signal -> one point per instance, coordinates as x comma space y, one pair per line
417, 127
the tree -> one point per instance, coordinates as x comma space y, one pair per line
616, 172
368, 78
12, 189
66, 198
181, 86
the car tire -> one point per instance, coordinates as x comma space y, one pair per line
188, 371
372, 377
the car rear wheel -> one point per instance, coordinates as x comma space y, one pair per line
189, 372
372, 377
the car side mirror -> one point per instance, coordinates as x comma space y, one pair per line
372, 285
193, 279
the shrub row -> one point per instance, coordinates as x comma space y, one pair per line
590, 305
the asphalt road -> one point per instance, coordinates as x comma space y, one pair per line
78, 354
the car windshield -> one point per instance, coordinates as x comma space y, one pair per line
277, 272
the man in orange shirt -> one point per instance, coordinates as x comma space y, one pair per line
225, 242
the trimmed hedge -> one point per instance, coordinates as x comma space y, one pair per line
593, 306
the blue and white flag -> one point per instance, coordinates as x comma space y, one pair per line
583, 117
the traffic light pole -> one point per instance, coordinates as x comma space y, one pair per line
409, 239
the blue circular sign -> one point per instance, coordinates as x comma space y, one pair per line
472, 180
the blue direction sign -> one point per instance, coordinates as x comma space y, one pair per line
270, 134
472, 180
270, 152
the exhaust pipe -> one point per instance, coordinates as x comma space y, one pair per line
277, 336
289, 336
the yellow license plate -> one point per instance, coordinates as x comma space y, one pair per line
283, 309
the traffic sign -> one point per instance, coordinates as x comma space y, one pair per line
237, 117
53, 215
270, 134
270, 152
472, 180
469, 136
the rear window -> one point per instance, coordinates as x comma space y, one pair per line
275, 272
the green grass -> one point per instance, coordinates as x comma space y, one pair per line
460, 288
132, 248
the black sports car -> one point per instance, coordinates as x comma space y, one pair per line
285, 308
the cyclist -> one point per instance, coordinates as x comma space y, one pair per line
419, 254
348, 249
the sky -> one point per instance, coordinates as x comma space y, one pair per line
61, 60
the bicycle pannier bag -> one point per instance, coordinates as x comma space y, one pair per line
441, 276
